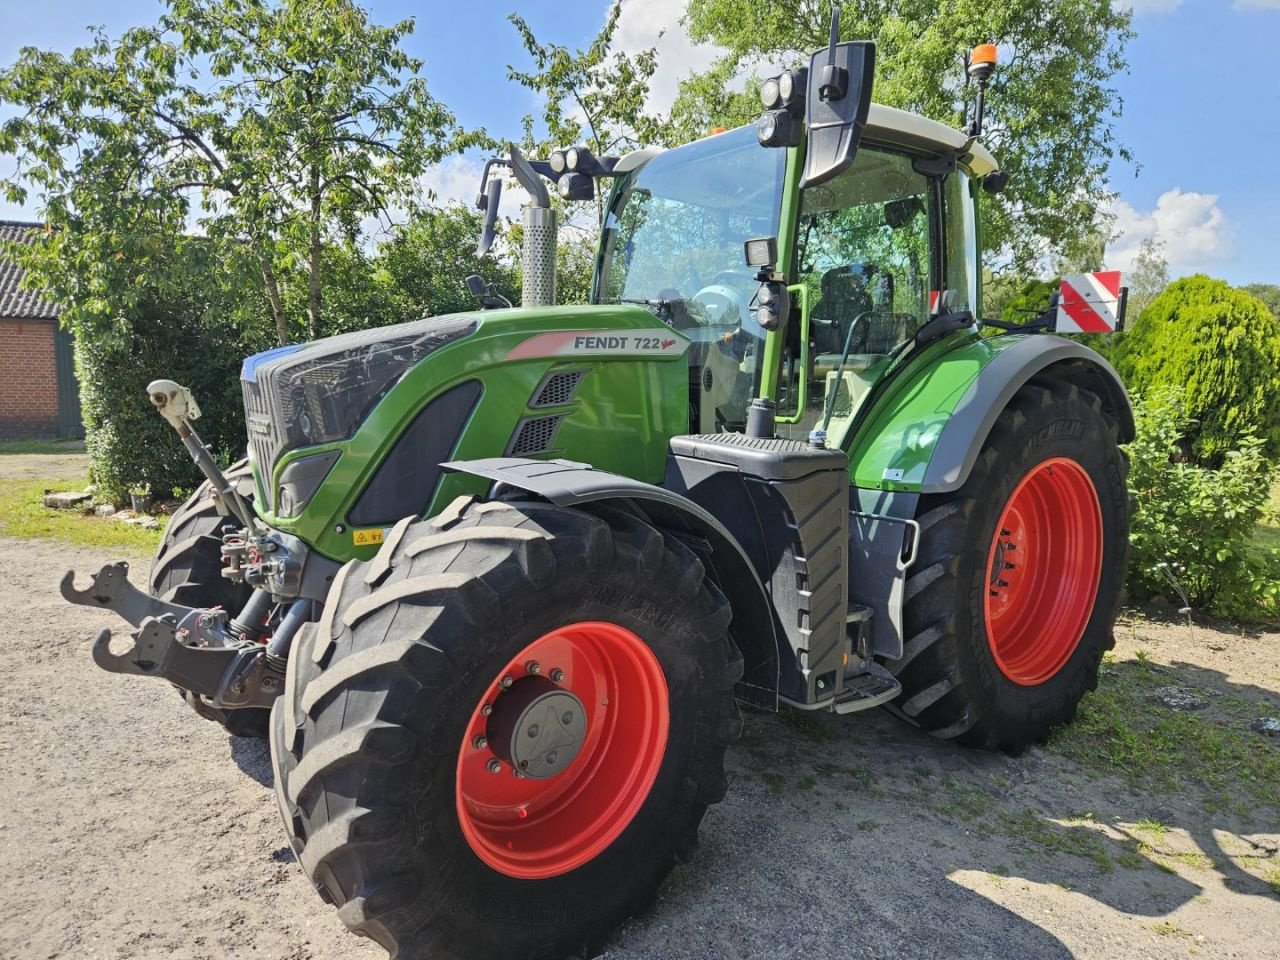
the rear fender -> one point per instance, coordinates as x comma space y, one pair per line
570, 484
927, 431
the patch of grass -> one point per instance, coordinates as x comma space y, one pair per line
806, 783
960, 801
1153, 827
808, 725
1121, 729
24, 515
1036, 832
1272, 879
775, 781
41, 446
1167, 929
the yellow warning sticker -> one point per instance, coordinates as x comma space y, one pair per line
366, 538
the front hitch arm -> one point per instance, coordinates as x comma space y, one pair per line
230, 677
111, 590
183, 645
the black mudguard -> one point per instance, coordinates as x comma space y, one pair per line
568, 484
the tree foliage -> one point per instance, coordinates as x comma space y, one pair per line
1222, 347
1193, 526
274, 128
1148, 276
1051, 107
1268, 293
428, 260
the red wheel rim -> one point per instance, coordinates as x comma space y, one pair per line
532, 828
1045, 561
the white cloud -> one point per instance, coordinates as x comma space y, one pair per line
458, 179
656, 23
1194, 230
1151, 6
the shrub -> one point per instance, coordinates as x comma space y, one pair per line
1193, 523
129, 443
1221, 347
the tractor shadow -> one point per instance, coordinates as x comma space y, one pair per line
861, 836
253, 757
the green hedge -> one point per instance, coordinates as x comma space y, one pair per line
1221, 348
129, 443
1194, 525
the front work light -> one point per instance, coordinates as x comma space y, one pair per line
576, 186
778, 128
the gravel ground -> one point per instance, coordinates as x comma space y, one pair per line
131, 828
69, 465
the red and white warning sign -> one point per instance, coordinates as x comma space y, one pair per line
1090, 303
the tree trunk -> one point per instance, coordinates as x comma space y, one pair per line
313, 298
277, 305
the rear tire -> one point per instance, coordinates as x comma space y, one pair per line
187, 569
997, 659
381, 780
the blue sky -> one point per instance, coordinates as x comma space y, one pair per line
1202, 103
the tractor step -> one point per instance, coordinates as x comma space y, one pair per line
870, 687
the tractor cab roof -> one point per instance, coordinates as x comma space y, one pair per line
891, 126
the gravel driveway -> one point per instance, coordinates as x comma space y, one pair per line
131, 828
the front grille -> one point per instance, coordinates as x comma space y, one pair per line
264, 440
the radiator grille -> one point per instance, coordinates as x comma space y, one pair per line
534, 435
557, 389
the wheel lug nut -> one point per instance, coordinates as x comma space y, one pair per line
557, 675
494, 765
507, 682
533, 731
486, 710
480, 743
534, 667
567, 718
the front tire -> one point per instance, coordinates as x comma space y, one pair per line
1017, 582
408, 708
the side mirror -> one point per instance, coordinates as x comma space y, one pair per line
488, 202
836, 121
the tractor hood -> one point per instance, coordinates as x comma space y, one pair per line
342, 430
313, 393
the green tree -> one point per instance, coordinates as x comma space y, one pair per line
1147, 278
1222, 348
277, 127
1052, 109
1268, 293
428, 260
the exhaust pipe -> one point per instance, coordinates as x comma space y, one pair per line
538, 258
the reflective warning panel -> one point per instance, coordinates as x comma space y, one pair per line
1090, 303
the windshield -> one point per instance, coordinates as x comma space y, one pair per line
676, 228
673, 239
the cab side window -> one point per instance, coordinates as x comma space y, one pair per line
864, 252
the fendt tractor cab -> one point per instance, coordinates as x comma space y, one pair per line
493, 583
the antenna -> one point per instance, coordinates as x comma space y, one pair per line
834, 81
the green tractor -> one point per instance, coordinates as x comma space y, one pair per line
494, 583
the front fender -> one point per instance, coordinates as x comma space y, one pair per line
569, 484
925, 432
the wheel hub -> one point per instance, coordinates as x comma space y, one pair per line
537, 727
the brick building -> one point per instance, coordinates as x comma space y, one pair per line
38, 392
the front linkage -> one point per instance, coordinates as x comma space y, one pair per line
232, 662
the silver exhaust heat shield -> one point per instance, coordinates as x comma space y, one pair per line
538, 266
